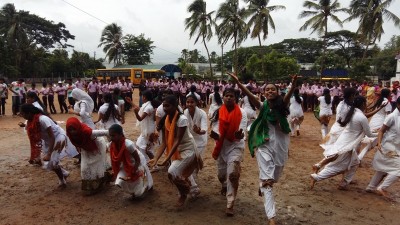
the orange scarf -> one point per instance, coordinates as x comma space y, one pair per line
35, 138
124, 156
170, 128
228, 124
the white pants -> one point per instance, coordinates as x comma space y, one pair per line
382, 178
347, 162
228, 175
370, 144
268, 171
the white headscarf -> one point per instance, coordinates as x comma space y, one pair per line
82, 96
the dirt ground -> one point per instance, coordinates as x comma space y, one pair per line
29, 194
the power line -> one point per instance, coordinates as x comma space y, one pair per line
85, 12
109, 23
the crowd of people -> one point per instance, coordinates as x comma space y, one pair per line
175, 129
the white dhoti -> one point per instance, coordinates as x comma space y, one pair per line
180, 171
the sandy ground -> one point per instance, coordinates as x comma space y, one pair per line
29, 194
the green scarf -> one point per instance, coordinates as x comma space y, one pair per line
259, 130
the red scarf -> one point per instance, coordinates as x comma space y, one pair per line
228, 124
83, 139
123, 156
35, 137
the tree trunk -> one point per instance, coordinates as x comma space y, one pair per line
222, 61
209, 57
262, 59
236, 56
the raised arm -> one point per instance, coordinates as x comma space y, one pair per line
253, 99
289, 94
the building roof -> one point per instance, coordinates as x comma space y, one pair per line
145, 67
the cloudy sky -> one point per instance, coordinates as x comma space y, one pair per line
163, 22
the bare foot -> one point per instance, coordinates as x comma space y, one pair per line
343, 186
229, 212
266, 139
181, 201
62, 186
312, 182
385, 194
316, 167
271, 222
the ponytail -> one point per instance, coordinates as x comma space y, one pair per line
297, 96
358, 102
327, 96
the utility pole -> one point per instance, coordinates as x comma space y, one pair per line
94, 63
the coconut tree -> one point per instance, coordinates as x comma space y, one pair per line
260, 20
320, 12
111, 41
371, 15
232, 26
200, 24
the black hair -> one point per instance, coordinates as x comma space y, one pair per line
217, 96
29, 108
192, 89
398, 100
117, 129
33, 95
384, 94
149, 96
278, 105
327, 95
173, 100
233, 91
44, 84
33, 84
296, 93
194, 98
348, 94
358, 102
111, 110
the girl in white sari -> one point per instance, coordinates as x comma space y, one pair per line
387, 159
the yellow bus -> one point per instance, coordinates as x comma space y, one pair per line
134, 74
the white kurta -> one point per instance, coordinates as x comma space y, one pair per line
85, 113
325, 109
388, 160
62, 145
378, 118
341, 111
147, 127
200, 120
111, 120
296, 110
214, 105
351, 136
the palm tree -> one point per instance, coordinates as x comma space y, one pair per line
260, 20
232, 26
320, 13
12, 28
200, 23
371, 14
111, 40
